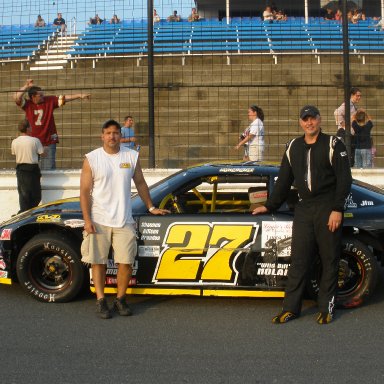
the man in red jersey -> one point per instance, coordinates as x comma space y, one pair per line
39, 112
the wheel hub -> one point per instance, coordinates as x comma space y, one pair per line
54, 267
345, 273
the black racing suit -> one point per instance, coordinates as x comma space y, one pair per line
322, 175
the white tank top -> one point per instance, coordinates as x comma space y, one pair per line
111, 193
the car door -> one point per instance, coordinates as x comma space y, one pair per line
212, 245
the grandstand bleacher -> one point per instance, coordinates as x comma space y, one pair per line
242, 35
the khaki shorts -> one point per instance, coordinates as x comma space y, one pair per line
95, 246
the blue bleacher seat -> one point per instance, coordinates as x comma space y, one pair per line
241, 34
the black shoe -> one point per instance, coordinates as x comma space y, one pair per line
324, 317
121, 306
102, 309
284, 317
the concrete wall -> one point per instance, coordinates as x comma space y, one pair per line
63, 184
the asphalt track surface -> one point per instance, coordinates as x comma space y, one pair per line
187, 340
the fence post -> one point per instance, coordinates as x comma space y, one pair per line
151, 98
347, 83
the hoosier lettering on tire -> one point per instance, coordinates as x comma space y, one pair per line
358, 274
49, 268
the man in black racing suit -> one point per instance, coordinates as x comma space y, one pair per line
318, 165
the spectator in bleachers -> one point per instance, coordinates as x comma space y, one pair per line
330, 14
128, 138
60, 22
349, 16
39, 112
268, 14
281, 16
95, 20
156, 17
194, 16
355, 17
39, 22
174, 17
338, 15
114, 20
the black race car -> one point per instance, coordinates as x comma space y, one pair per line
210, 245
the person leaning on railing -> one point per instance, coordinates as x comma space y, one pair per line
40, 22
174, 17
114, 20
194, 16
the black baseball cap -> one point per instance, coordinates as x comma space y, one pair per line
309, 110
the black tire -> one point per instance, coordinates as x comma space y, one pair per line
358, 274
49, 268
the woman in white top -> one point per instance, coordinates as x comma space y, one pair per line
253, 137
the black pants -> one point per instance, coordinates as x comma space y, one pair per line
28, 185
310, 237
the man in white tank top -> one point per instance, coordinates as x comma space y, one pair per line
105, 199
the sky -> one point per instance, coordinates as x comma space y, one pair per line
26, 11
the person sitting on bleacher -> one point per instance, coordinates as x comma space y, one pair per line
39, 22
114, 20
60, 22
173, 17
268, 15
95, 20
156, 17
281, 16
330, 14
194, 16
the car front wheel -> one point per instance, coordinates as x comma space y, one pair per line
49, 268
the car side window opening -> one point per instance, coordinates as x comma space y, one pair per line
219, 194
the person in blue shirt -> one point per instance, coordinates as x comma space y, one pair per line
128, 138
60, 22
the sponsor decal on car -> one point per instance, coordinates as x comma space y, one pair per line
112, 268
150, 231
3, 274
203, 253
366, 203
272, 269
276, 238
149, 251
2, 264
48, 219
236, 170
74, 223
349, 203
6, 234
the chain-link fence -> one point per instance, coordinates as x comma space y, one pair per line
209, 67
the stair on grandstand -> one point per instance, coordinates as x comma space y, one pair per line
54, 57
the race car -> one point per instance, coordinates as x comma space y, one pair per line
210, 244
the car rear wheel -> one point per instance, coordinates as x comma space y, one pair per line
49, 268
358, 274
